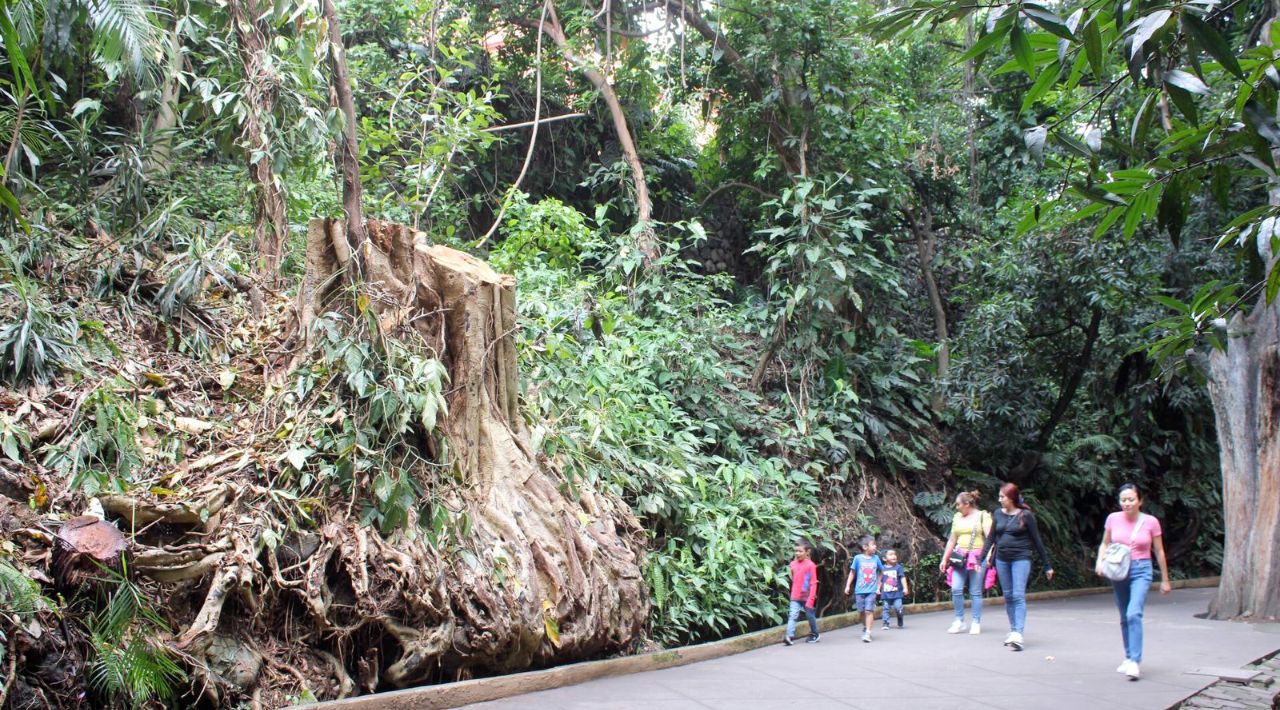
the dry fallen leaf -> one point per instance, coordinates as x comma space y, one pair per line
192, 425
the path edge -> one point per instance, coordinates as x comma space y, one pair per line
452, 695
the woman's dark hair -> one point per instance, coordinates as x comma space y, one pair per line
1013, 493
969, 497
1129, 487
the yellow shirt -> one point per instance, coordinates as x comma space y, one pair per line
968, 531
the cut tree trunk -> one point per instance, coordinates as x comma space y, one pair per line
542, 576
1244, 384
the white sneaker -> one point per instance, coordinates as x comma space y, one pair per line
975, 628
1008, 637
1124, 666
1132, 670
956, 627
866, 637
1016, 642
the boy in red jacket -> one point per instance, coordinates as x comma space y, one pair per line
804, 593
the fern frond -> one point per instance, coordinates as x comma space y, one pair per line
18, 593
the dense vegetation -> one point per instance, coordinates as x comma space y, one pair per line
784, 269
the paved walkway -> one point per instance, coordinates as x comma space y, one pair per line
1073, 647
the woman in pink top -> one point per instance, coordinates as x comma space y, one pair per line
1143, 535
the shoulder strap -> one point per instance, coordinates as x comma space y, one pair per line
1133, 537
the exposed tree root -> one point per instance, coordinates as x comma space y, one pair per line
534, 577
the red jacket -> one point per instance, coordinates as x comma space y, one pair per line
804, 582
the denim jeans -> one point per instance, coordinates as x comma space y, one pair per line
897, 608
794, 615
1131, 597
1013, 576
974, 577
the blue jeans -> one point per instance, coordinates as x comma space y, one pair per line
1013, 576
897, 608
974, 577
794, 615
1131, 597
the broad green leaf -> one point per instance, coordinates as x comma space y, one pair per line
1263, 121
1185, 102
1141, 120
24, 81
1172, 212
1093, 47
1146, 28
1273, 280
983, 45
1185, 81
1207, 38
1048, 20
1021, 49
1048, 76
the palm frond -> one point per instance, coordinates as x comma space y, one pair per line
125, 31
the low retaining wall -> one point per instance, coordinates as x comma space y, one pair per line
452, 695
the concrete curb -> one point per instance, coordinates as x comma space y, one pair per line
452, 695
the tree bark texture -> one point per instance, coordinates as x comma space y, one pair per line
349, 153
1244, 384
270, 213
542, 576
920, 221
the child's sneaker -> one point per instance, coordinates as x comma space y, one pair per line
956, 627
886, 626
975, 628
813, 638
787, 641
866, 637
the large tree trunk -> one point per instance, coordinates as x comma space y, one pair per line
1244, 383
551, 577
270, 214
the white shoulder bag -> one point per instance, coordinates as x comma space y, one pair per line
1115, 559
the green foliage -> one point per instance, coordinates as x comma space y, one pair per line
357, 418
654, 409
546, 232
129, 665
1137, 177
38, 339
102, 452
19, 593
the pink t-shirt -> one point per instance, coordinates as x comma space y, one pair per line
1122, 531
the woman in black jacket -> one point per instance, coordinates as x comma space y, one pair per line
1013, 534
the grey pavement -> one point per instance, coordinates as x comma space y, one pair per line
1072, 649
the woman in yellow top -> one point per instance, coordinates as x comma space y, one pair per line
969, 530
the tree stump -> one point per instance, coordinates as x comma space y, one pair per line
83, 543
544, 577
